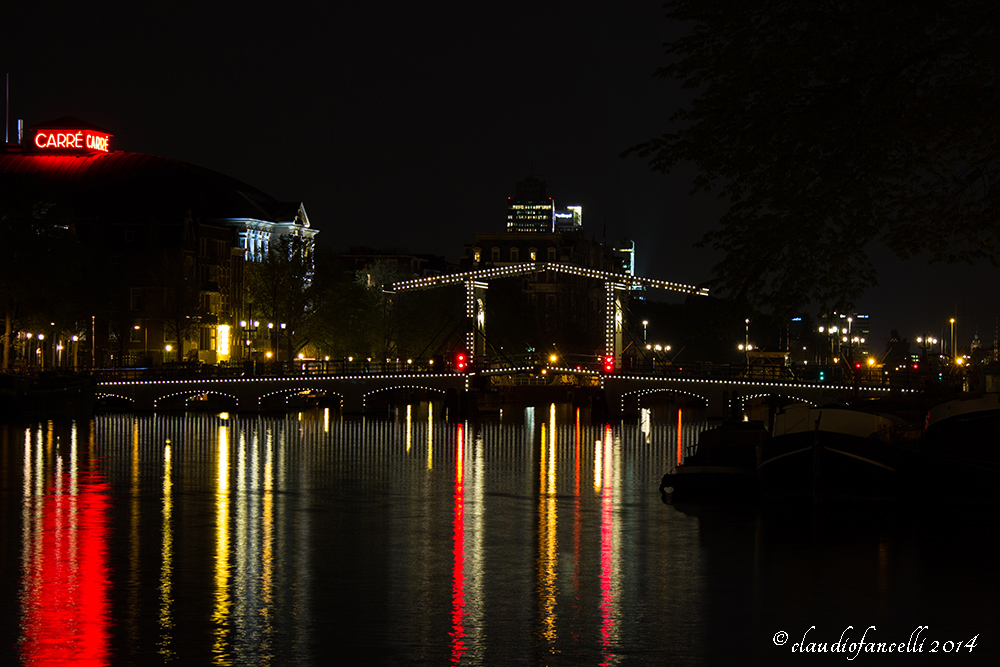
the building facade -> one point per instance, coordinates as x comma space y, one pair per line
177, 238
530, 210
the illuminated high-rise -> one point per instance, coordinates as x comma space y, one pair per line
530, 209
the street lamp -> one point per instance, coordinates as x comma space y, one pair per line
645, 323
926, 342
746, 344
952, 350
145, 339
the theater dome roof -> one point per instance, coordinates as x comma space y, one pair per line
133, 186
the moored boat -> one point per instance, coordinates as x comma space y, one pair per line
837, 453
968, 426
722, 468
962, 445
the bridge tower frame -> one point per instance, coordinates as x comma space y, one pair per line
477, 283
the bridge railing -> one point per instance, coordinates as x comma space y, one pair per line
803, 374
797, 374
269, 369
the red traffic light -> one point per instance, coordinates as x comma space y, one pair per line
609, 363
461, 362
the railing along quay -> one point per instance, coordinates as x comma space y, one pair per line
555, 373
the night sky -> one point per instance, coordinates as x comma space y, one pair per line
406, 126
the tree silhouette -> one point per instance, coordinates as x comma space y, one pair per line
832, 127
279, 287
338, 326
43, 278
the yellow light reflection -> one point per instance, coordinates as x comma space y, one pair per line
409, 428
598, 463
73, 458
244, 553
166, 562
552, 450
220, 613
548, 556
267, 553
134, 560
430, 437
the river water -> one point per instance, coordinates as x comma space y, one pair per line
537, 538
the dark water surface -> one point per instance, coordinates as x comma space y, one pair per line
539, 539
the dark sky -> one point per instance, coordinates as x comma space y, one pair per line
406, 125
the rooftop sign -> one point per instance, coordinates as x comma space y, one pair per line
71, 140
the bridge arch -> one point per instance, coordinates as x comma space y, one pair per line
772, 395
761, 406
212, 397
111, 399
263, 400
367, 396
638, 394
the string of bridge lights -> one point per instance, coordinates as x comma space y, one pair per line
624, 280
645, 391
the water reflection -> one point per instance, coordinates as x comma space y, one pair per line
220, 613
65, 606
236, 537
540, 539
609, 554
166, 561
458, 549
547, 536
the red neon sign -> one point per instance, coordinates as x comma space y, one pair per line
79, 140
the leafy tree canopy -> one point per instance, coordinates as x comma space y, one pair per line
831, 127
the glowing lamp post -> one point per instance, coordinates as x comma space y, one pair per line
746, 345
952, 350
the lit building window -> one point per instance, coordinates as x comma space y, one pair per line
222, 340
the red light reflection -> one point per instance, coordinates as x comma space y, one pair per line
65, 606
607, 554
458, 551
